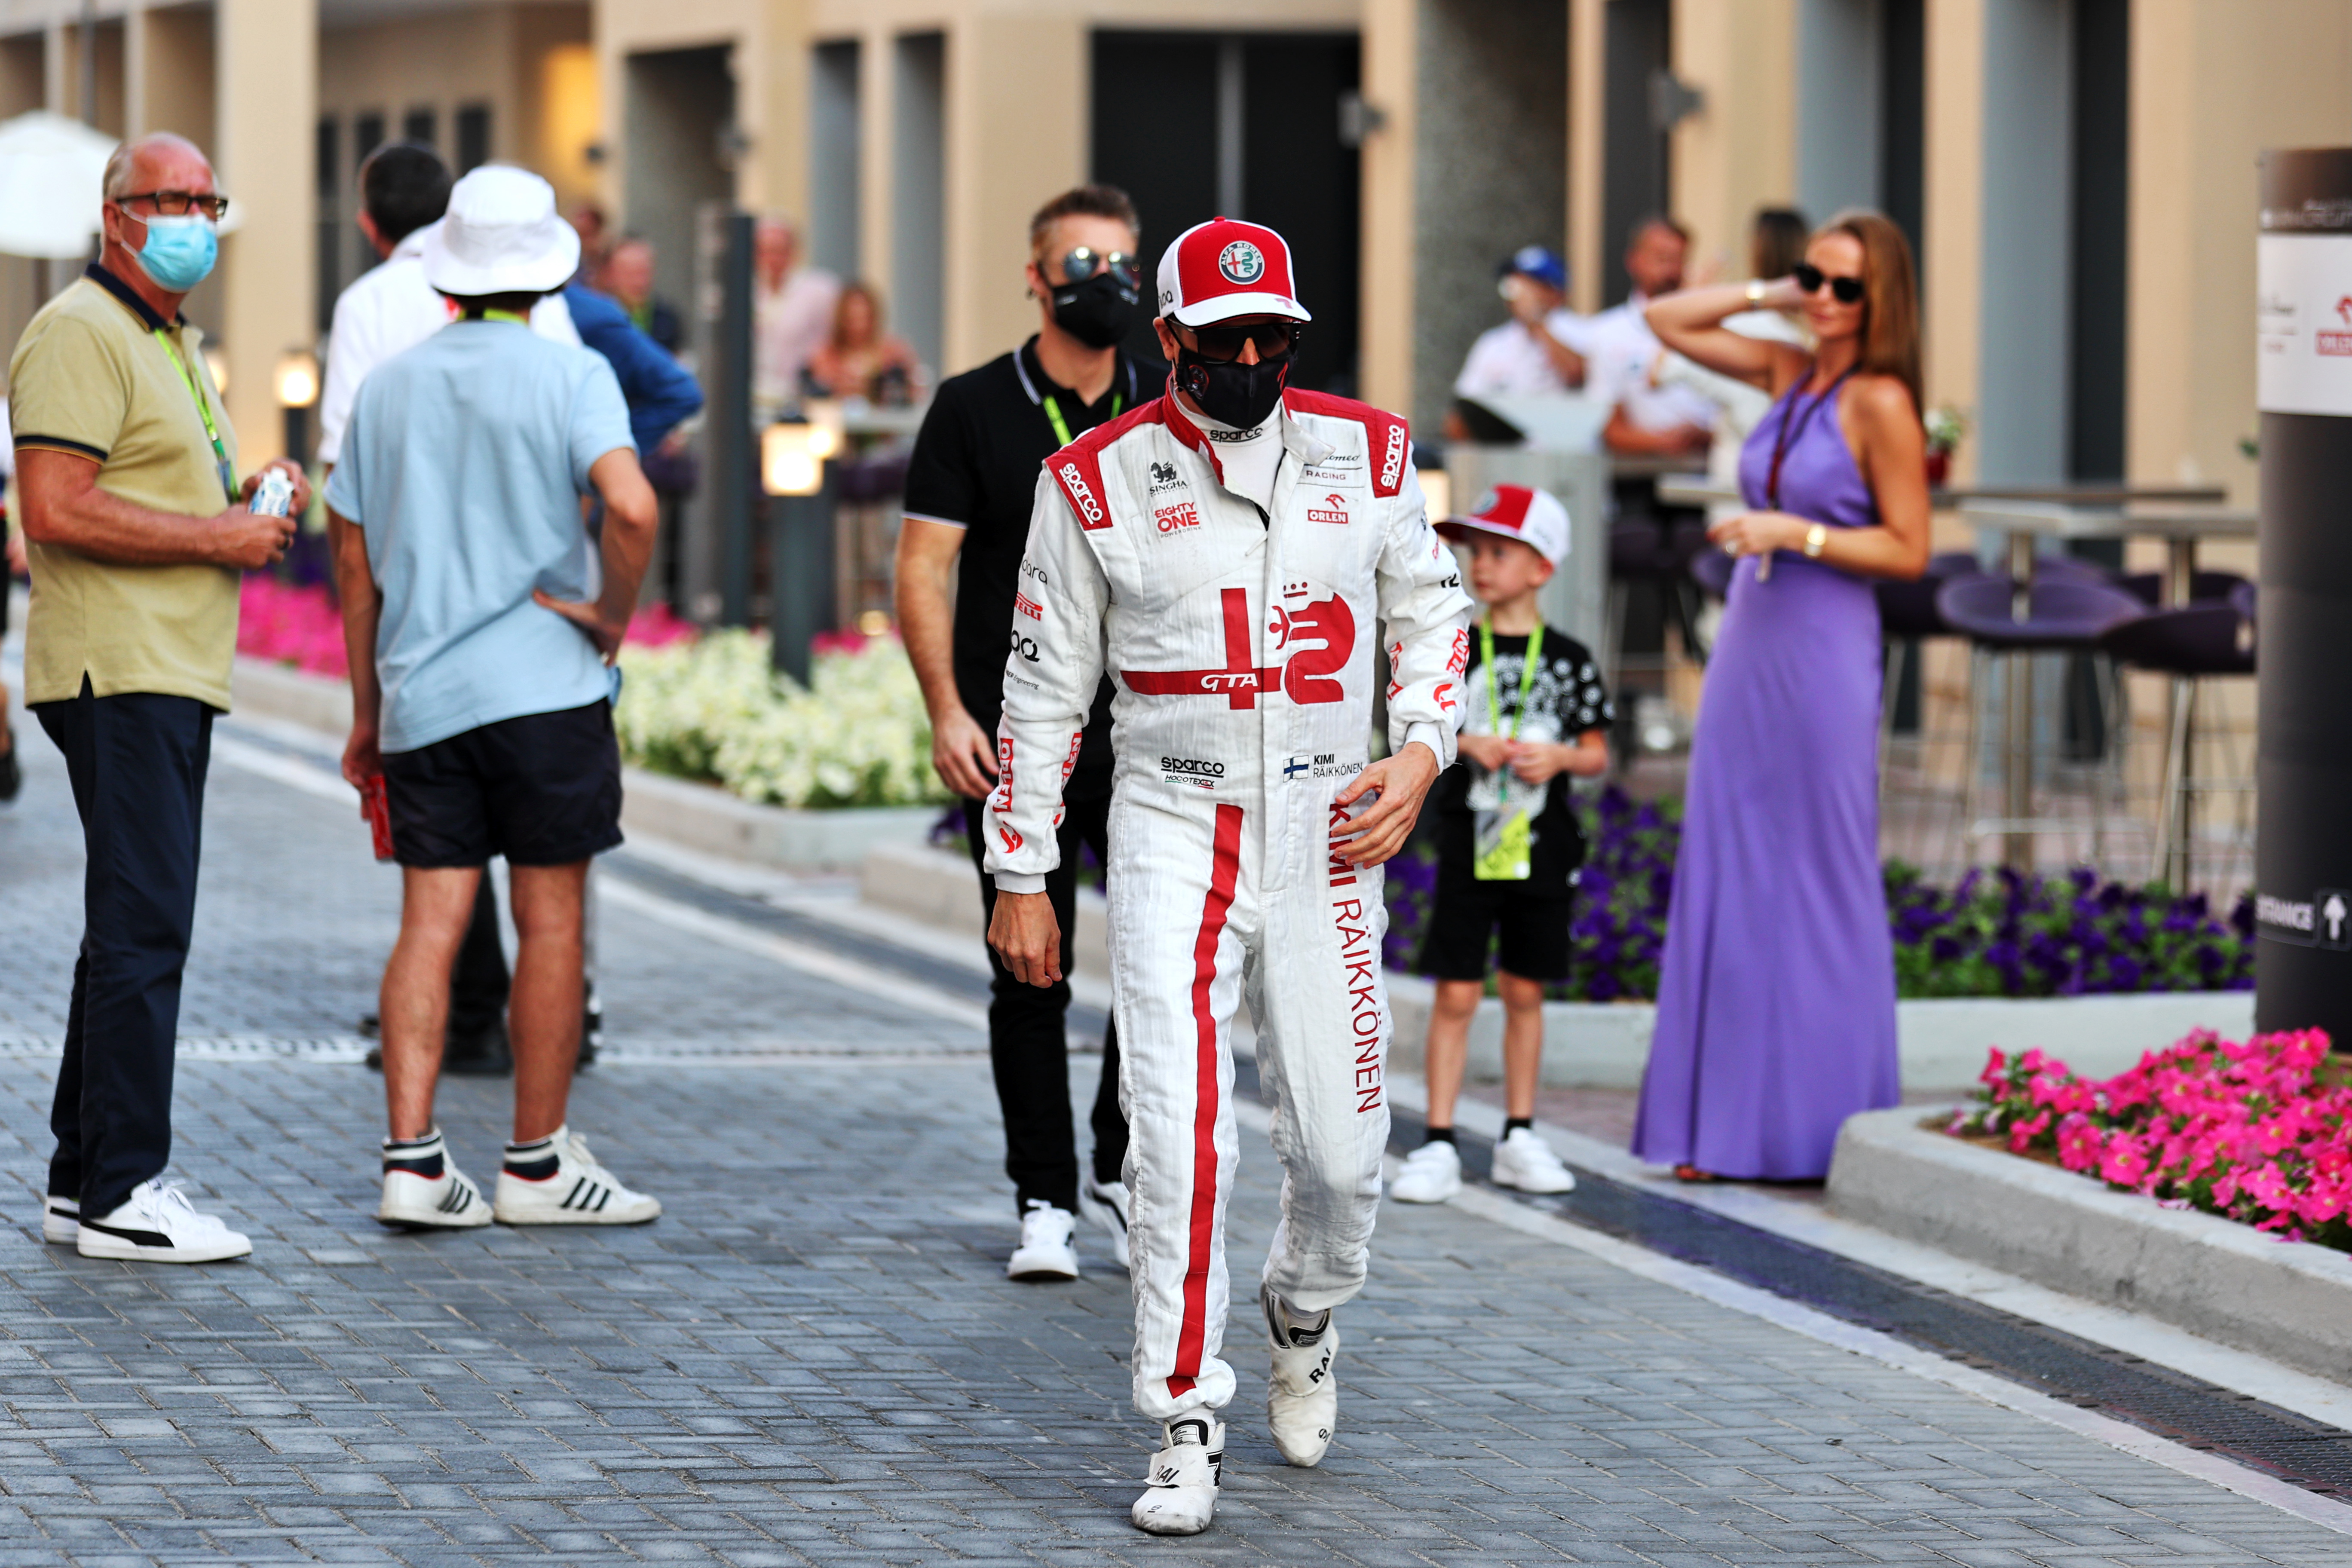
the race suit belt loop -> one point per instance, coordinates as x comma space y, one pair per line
203, 412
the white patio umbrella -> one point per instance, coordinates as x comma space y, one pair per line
51, 169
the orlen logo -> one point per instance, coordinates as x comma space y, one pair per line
1028, 606
1090, 511
1333, 510
1392, 461
1168, 518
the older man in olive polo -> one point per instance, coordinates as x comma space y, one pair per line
128, 492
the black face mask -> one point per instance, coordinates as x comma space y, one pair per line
1233, 394
1097, 311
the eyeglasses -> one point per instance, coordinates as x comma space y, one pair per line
1810, 278
178, 204
1222, 345
1086, 261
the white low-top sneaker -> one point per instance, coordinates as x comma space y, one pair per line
1105, 1202
60, 1221
1181, 1496
1302, 1395
1526, 1162
423, 1189
156, 1224
1045, 1252
1432, 1174
557, 1182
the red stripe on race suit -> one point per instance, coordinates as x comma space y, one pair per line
1224, 868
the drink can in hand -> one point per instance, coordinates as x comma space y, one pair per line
274, 496
377, 811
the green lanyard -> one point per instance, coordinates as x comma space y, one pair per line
1527, 673
1061, 429
204, 410
515, 317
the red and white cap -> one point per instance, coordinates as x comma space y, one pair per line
1534, 518
1226, 268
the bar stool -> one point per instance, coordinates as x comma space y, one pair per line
2070, 611
2204, 587
2192, 644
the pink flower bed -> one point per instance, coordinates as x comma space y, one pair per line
300, 625
2260, 1132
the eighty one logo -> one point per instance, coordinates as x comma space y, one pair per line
1333, 510
1090, 511
1168, 518
1242, 262
1392, 461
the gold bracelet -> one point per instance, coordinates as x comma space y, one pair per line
1816, 538
1755, 292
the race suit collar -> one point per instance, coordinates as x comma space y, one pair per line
1186, 426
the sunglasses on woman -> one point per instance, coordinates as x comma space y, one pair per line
1086, 261
1221, 345
1810, 278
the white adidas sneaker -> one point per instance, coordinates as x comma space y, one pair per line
1181, 1496
423, 1189
1302, 1395
1105, 1202
1526, 1163
1432, 1174
1046, 1252
60, 1221
557, 1181
156, 1224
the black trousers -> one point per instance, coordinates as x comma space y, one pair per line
1029, 1036
137, 763
478, 983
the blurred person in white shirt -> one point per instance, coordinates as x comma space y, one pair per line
1776, 243
1541, 348
1646, 420
792, 310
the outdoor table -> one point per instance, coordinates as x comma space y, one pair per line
1685, 488
2019, 524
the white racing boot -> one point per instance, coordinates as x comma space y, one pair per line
1302, 1395
1183, 1495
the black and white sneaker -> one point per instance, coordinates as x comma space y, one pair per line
557, 1182
423, 1189
1105, 1202
156, 1224
60, 1221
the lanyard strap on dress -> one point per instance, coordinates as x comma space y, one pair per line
1527, 673
1786, 437
1061, 425
205, 412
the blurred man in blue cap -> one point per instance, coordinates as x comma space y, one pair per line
1541, 348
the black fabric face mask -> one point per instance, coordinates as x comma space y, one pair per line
1097, 311
1233, 394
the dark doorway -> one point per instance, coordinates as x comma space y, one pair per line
1199, 125
1635, 167
2101, 211
679, 104
1902, 116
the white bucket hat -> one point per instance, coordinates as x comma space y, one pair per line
502, 236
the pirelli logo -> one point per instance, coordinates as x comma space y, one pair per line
1393, 460
1082, 495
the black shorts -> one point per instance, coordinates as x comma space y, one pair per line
542, 790
1466, 912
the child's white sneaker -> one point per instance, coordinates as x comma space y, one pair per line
1526, 1162
1432, 1174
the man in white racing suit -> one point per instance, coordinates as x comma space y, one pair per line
1229, 552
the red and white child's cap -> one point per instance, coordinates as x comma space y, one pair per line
1532, 517
1226, 268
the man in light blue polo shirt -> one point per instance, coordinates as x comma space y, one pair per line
482, 620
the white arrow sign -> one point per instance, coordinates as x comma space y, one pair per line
2333, 912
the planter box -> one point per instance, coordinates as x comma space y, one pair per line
696, 816
2213, 1276
1942, 1042
939, 887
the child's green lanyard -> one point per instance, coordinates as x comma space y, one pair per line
204, 410
1504, 840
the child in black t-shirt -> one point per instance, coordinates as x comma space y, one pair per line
1508, 840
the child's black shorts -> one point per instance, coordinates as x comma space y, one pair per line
1467, 913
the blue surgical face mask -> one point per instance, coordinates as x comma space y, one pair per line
180, 251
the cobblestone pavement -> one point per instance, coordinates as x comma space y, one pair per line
813, 1356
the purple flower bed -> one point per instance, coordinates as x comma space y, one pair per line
1992, 934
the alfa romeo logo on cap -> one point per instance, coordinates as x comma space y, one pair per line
1241, 262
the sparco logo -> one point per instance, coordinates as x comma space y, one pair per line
1171, 517
1195, 766
1165, 478
1242, 262
1089, 508
1392, 461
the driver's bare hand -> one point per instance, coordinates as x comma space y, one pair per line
1402, 781
963, 753
1027, 937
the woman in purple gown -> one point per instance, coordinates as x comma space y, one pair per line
1776, 1003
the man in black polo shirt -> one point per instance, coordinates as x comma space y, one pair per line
969, 490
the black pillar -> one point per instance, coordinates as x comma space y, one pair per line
734, 447
801, 574
2303, 331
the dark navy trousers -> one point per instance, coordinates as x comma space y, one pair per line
137, 761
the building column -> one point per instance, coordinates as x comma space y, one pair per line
1388, 175
266, 102
876, 77
1740, 151
1953, 221
1588, 149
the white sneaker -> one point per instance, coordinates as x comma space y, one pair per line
1526, 1162
157, 1223
557, 1182
1302, 1396
1183, 1495
60, 1221
1045, 1252
1432, 1174
1105, 1202
423, 1189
